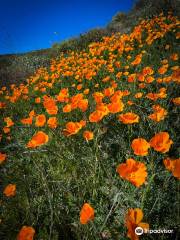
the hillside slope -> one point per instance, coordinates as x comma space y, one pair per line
16, 68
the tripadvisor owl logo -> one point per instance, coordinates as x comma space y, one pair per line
139, 231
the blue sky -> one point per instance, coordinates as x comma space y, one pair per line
27, 25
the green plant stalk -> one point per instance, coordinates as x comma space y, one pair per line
146, 191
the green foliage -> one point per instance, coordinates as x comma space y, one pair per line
119, 17
16, 68
81, 42
155, 7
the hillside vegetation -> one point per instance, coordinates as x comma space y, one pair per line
89, 144
16, 68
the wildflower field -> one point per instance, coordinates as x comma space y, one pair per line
89, 145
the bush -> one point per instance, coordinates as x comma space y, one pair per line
155, 7
119, 17
81, 42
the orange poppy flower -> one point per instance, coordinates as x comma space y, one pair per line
138, 95
37, 100
114, 84
40, 120
150, 79
26, 233
98, 97
117, 64
38, 139
173, 165
161, 142
126, 93
147, 71
10, 190
164, 61
140, 146
141, 77
130, 103
86, 91
83, 105
129, 118
159, 113
67, 108
52, 122
106, 79
131, 78
174, 68
119, 74
116, 107
2, 157
159, 80
176, 101
86, 213
83, 123
6, 129
162, 70
52, 110
133, 171
72, 128
102, 108
79, 86
2, 105
88, 135
167, 79
96, 116
63, 95
50, 105
152, 96
27, 121
116, 96
132, 220
75, 100
32, 114
176, 75
142, 85
8, 121
155, 96
162, 93
137, 60
42, 89
108, 92
174, 57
